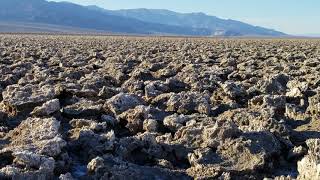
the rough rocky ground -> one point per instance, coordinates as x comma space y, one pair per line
89, 107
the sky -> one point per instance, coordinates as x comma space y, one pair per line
296, 17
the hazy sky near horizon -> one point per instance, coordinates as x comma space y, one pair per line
298, 17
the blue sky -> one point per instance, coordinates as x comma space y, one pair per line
290, 16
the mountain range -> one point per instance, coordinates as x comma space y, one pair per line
37, 14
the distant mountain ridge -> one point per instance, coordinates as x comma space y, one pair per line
73, 15
215, 25
132, 21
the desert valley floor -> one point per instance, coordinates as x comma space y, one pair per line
117, 107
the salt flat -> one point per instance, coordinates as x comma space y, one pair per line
121, 107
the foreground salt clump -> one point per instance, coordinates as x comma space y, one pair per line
38, 135
34, 143
309, 166
100, 107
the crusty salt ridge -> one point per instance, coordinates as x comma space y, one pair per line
107, 107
